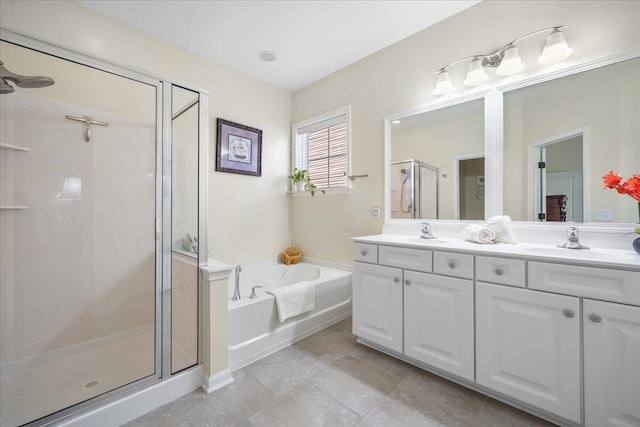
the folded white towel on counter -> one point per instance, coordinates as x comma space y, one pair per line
477, 233
500, 224
293, 300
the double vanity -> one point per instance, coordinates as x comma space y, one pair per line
553, 331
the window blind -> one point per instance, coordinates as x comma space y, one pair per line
322, 149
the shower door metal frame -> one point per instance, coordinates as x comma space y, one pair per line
164, 159
162, 219
203, 207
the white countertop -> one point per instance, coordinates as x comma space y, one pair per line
595, 257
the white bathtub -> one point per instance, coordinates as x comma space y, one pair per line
254, 329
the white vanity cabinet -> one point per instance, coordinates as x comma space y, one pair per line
559, 337
377, 304
528, 347
402, 306
611, 364
438, 322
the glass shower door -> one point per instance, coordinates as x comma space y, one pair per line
184, 228
77, 236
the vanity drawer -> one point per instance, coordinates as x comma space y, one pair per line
410, 259
504, 271
365, 252
453, 264
598, 283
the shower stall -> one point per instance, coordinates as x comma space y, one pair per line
102, 216
414, 190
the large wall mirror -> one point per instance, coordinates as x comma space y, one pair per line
436, 168
561, 136
547, 143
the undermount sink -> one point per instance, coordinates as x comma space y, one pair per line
587, 254
425, 241
419, 240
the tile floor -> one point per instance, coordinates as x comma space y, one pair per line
328, 379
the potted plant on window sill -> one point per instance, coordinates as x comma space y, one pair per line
302, 182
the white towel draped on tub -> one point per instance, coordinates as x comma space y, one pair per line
293, 300
478, 234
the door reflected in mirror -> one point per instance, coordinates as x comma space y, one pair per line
470, 192
558, 187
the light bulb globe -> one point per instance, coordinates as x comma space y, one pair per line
476, 74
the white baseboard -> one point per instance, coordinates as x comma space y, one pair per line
217, 381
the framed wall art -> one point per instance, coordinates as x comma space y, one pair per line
239, 149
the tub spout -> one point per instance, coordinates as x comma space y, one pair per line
236, 291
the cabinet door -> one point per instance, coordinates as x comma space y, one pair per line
528, 347
438, 322
611, 364
377, 304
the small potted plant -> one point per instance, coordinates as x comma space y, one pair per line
300, 179
302, 182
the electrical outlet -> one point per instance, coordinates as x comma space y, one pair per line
603, 215
375, 212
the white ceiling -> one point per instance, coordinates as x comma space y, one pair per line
311, 39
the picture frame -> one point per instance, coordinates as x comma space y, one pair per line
238, 148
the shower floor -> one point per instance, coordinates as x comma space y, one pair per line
38, 386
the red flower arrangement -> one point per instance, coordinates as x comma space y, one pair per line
631, 186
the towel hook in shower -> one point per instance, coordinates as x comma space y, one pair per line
88, 121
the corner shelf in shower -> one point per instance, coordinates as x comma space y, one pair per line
14, 147
13, 208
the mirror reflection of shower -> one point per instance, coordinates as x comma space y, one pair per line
405, 191
414, 190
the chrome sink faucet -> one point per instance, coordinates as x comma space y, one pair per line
572, 240
426, 231
236, 291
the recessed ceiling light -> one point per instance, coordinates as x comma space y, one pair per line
267, 55
395, 122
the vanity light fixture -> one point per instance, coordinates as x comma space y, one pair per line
506, 60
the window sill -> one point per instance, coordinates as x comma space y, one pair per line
318, 192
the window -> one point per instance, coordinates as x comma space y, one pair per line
322, 146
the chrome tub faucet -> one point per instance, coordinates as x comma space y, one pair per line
236, 291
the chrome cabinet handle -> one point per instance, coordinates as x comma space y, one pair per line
595, 318
568, 313
498, 271
407, 282
452, 264
364, 252
396, 280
